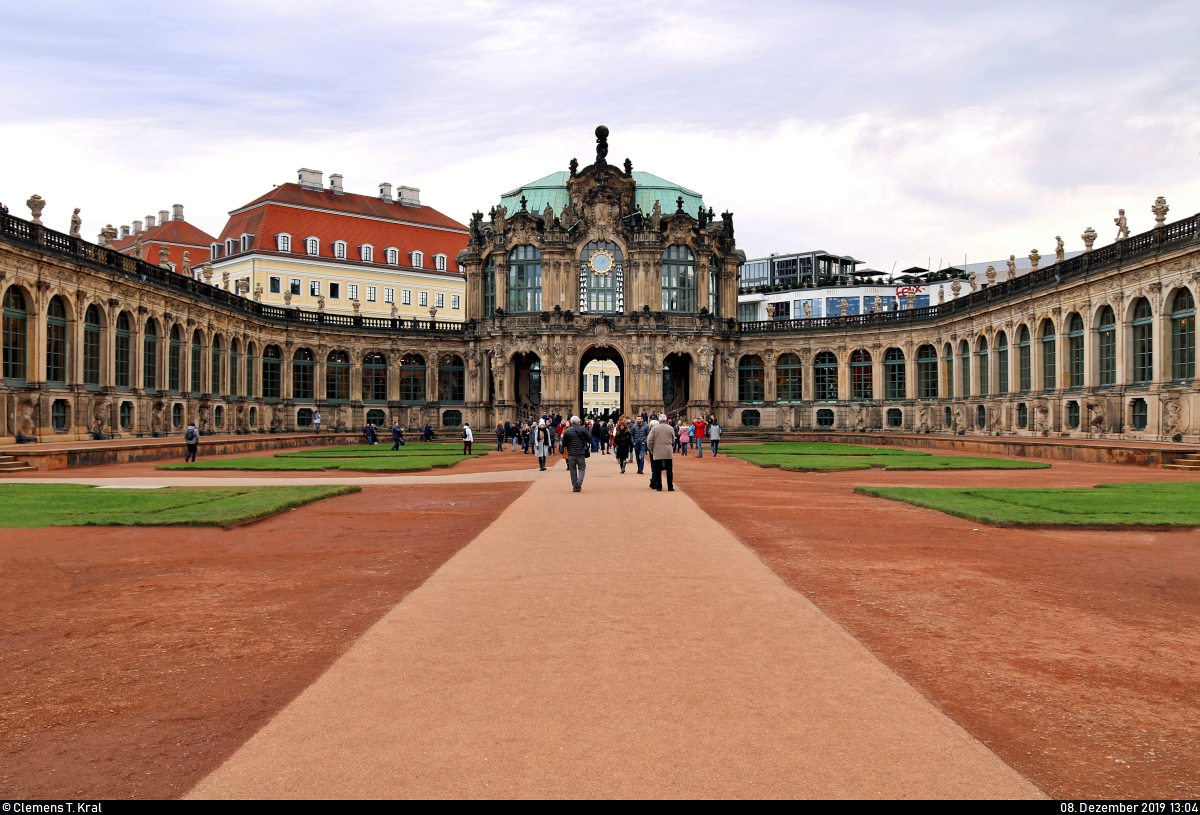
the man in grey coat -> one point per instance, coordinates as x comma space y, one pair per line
661, 441
578, 443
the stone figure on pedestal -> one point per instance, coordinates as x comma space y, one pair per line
1089, 238
36, 204
1160, 210
1060, 252
1122, 225
76, 223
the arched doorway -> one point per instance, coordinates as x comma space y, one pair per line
590, 388
677, 383
527, 385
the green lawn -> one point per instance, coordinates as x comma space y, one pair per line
368, 463
379, 451
35, 505
819, 457
1137, 504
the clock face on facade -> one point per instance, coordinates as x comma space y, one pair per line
602, 262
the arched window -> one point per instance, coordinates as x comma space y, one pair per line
678, 280
216, 381
1002, 363
337, 376
272, 378
525, 279
174, 358
1108, 347
439, 262
412, 378
123, 351
374, 378
601, 270
302, 374
1024, 359
56, 342
984, 372
825, 377
1049, 357
489, 286
948, 360
339, 250
452, 381
417, 259
862, 383
283, 242
1183, 337
751, 380
789, 376
367, 253
714, 286
393, 256
1143, 336
927, 373
91, 347
1075, 351
197, 364
235, 369
964, 359
312, 246
894, 376
150, 356
15, 334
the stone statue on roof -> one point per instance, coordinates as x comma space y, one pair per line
137, 246
656, 217
564, 217
638, 219
808, 309
1060, 252
36, 204
548, 215
108, 234
574, 165
1122, 225
727, 224
1012, 266
628, 167
1034, 259
76, 223
701, 218
164, 256
501, 212
991, 275
1089, 238
601, 145
1160, 210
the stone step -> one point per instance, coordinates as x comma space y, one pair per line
1193, 466
15, 466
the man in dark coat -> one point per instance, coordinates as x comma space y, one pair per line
397, 436
578, 444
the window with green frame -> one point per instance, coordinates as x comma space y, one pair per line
250, 369
1183, 337
235, 370
150, 356
1002, 363
964, 358
91, 347
948, 364
1024, 360
927, 373
894, 375
452, 381
174, 358
751, 379
216, 379
56, 342
272, 372
525, 279
825, 377
981, 348
1143, 338
337, 376
374, 378
714, 286
789, 378
197, 363
121, 368
678, 279
862, 380
303, 376
1049, 357
14, 335
412, 378
1075, 357
489, 286
1107, 356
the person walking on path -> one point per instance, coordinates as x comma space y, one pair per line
397, 436
685, 438
499, 437
714, 436
638, 433
191, 437
316, 421
661, 441
699, 429
622, 443
543, 443
650, 453
468, 437
578, 444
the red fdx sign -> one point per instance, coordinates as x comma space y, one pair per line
907, 291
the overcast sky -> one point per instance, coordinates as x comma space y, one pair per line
892, 134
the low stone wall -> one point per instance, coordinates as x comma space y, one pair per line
119, 451
1098, 452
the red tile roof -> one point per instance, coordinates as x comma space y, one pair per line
354, 204
179, 237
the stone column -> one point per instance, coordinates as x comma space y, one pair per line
878, 384
701, 281
502, 283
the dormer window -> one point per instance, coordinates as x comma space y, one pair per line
312, 246
367, 253
283, 242
439, 262
247, 240
393, 257
417, 259
215, 250
339, 250
231, 246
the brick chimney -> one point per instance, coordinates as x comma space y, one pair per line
335, 184
149, 222
137, 227
385, 192
124, 231
311, 179
163, 217
177, 212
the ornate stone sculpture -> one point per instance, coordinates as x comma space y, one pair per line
287, 300
991, 275
1012, 266
844, 307
1034, 259
602, 145
656, 217
941, 295
972, 281
878, 303
108, 234
164, 256
548, 216
258, 292
137, 246
187, 263
356, 305
1089, 238
36, 204
500, 213
1122, 225
628, 167
320, 302
1060, 252
206, 272
955, 288
808, 309
76, 223
1160, 210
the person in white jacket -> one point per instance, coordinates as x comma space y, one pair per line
468, 437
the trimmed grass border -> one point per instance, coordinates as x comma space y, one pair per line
32, 506
924, 461
390, 464
1162, 504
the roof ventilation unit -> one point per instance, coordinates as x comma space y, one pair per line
335, 183
311, 179
409, 196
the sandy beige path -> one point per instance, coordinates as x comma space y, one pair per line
224, 478
618, 642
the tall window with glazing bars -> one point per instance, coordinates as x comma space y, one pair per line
927, 372
825, 377
56, 342
525, 279
1075, 357
1183, 337
678, 279
894, 378
751, 382
489, 286
1107, 356
789, 378
862, 385
1143, 338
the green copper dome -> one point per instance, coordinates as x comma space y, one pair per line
649, 188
